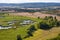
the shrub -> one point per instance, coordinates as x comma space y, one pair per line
30, 31
32, 28
19, 37
44, 26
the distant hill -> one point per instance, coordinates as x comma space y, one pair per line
29, 5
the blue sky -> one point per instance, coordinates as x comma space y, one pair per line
27, 1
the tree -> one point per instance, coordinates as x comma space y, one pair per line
44, 25
19, 37
58, 23
32, 28
38, 17
55, 19
29, 34
30, 31
46, 18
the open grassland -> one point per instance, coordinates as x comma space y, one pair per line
44, 35
39, 34
12, 33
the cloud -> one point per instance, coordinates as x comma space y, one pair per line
24, 1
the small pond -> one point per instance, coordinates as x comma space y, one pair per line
10, 23
1, 16
5, 27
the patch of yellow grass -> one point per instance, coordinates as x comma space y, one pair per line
45, 34
35, 34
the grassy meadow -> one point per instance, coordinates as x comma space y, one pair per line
11, 34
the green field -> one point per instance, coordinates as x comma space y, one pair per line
11, 34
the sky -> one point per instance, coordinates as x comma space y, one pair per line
27, 1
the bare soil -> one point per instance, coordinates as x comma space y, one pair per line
34, 15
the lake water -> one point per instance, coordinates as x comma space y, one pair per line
6, 27
25, 22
